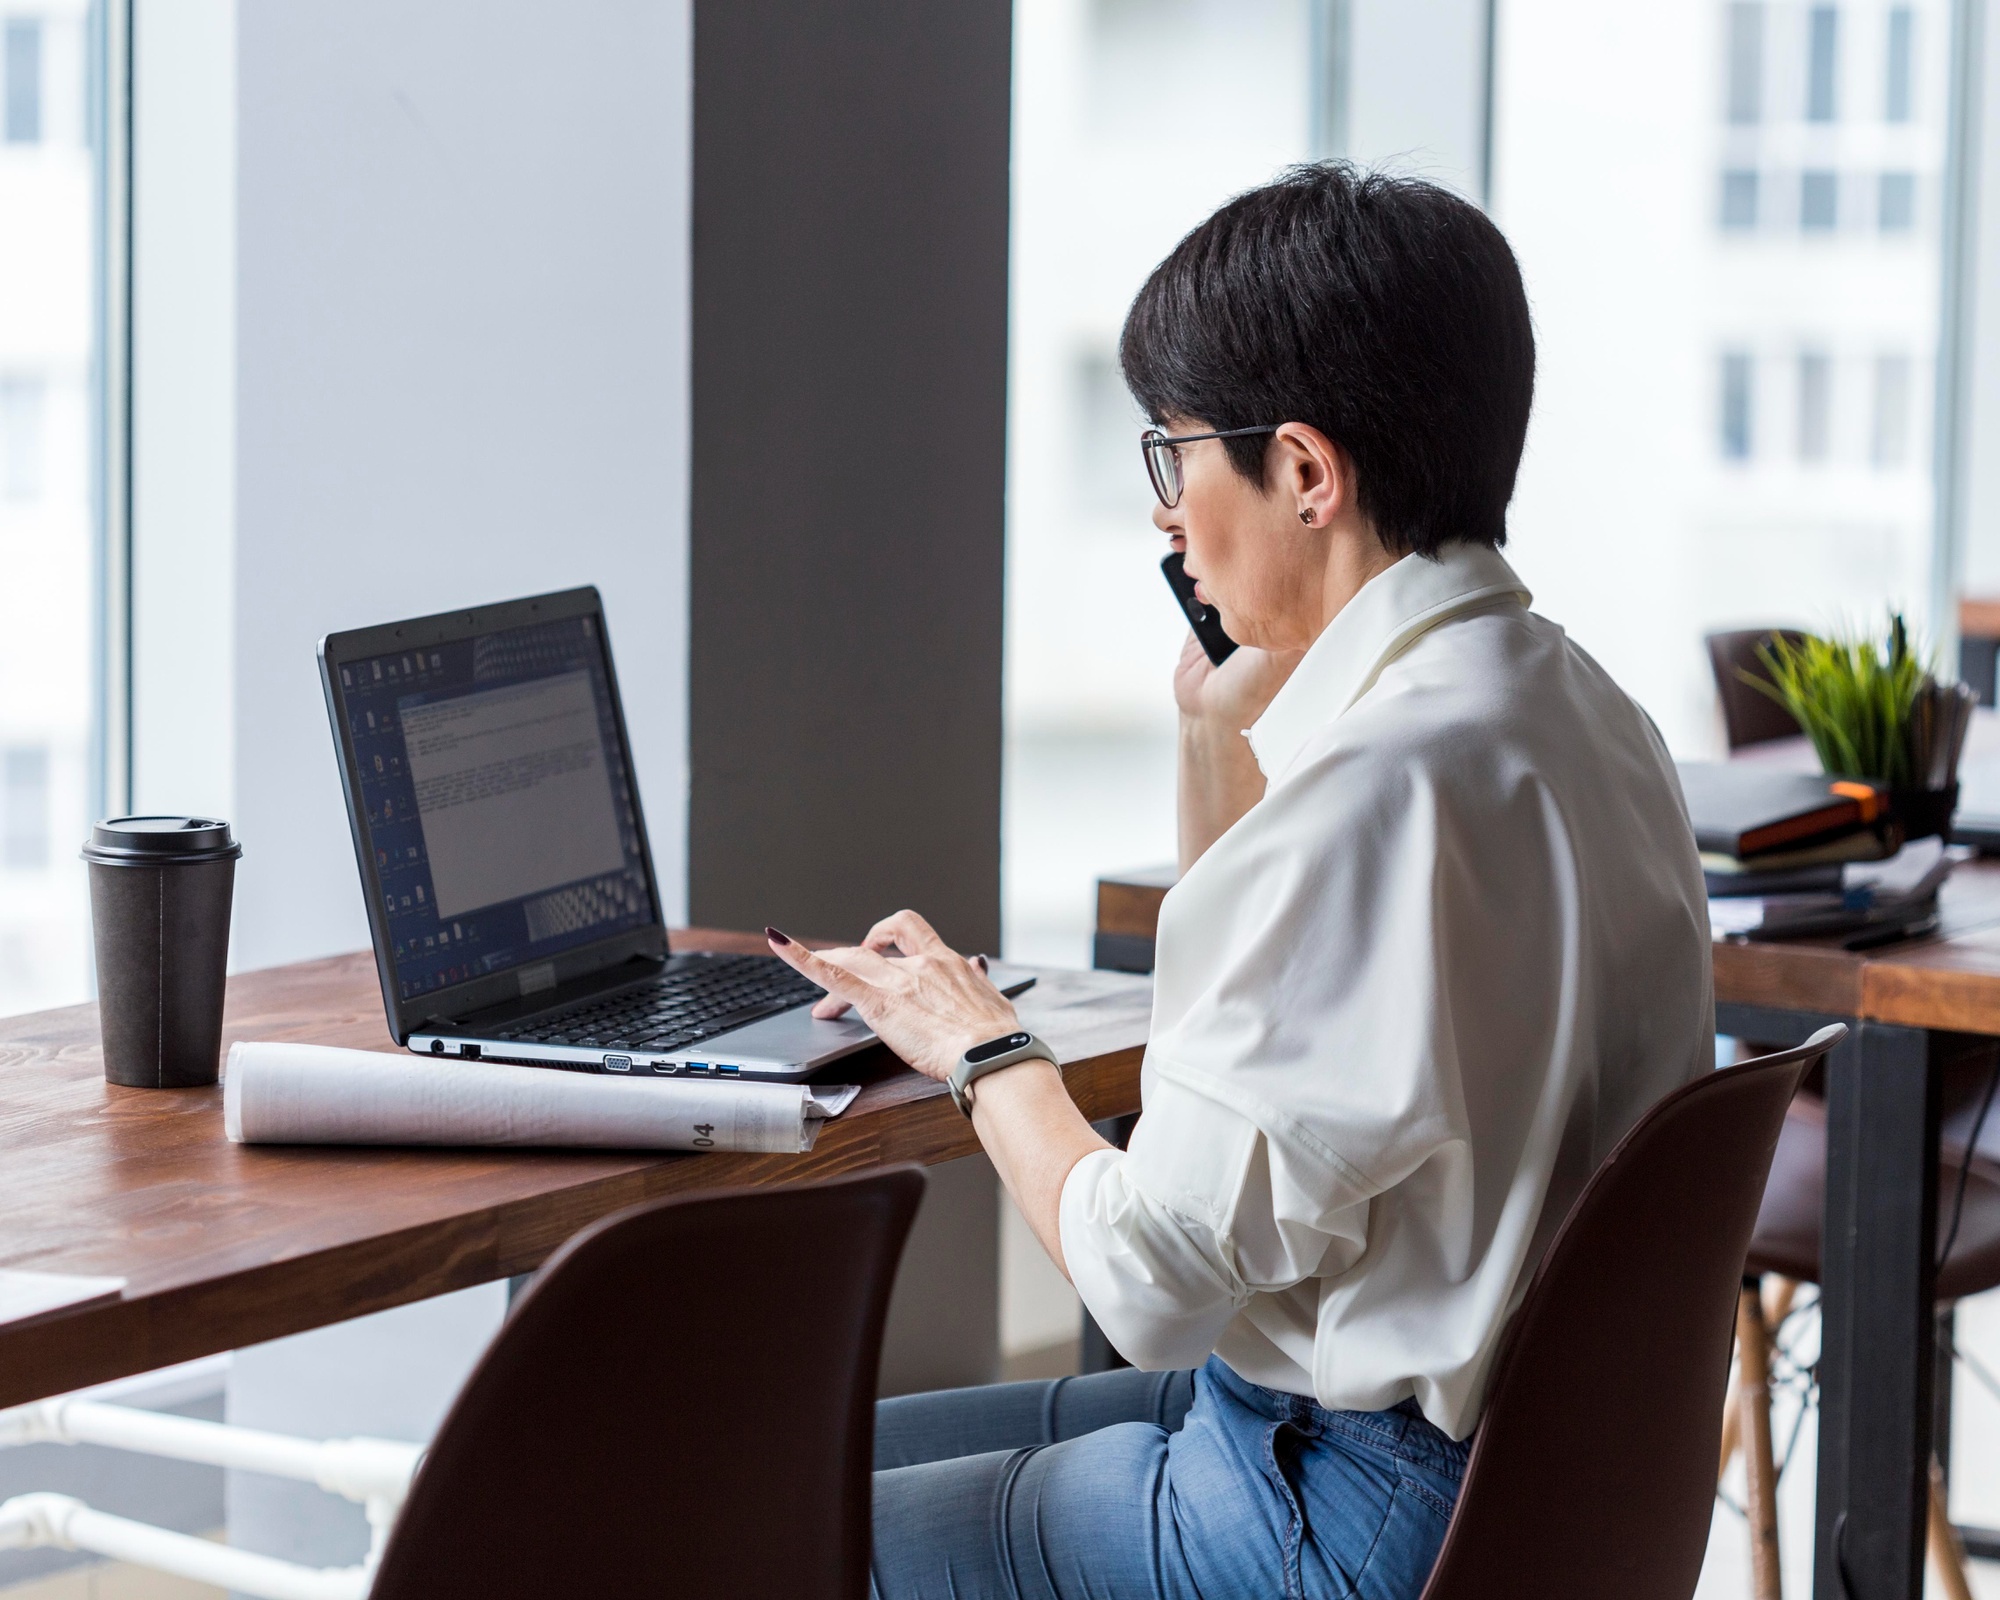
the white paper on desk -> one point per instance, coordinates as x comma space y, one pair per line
310, 1094
24, 1295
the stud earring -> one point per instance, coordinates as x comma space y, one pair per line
1306, 515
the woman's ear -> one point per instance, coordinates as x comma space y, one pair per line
1314, 472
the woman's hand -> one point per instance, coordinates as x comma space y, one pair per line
1232, 696
1218, 776
930, 1006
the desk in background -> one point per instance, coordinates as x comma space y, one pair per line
226, 1245
1909, 1007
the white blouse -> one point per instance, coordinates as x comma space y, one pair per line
1402, 1008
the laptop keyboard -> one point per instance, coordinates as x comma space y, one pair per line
682, 1008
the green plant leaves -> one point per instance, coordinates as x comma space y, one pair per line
1853, 697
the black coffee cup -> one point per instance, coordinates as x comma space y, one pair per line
160, 889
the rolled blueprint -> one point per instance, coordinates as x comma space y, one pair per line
310, 1094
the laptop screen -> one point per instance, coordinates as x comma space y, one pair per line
496, 800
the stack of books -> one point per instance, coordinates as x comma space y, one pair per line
1792, 855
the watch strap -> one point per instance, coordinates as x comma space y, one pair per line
1007, 1050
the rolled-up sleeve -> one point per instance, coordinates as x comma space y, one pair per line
1167, 1241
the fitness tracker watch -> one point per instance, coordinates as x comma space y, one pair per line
991, 1056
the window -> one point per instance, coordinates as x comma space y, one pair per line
1896, 202
1739, 200
1899, 89
1889, 445
1736, 398
24, 809
22, 48
21, 404
1693, 377
1105, 436
1815, 405
1744, 99
51, 208
1822, 25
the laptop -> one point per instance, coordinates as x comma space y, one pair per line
503, 854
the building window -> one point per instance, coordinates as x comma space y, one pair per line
1739, 200
24, 808
1822, 25
1736, 405
22, 403
1889, 445
1899, 91
1896, 203
1745, 97
22, 49
1815, 405
1819, 197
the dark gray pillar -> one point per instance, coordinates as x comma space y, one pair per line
849, 378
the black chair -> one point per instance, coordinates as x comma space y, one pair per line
682, 1405
1593, 1471
1749, 716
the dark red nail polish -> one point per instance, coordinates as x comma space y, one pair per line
776, 937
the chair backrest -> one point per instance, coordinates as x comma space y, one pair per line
1593, 1472
683, 1404
1749, 716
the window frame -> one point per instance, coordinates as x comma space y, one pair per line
109, 116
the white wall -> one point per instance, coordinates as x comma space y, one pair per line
462, 358
184, 407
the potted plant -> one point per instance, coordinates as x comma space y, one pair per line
1875, 712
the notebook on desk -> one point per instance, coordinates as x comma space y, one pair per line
511, 896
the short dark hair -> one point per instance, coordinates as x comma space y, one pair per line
1386, 312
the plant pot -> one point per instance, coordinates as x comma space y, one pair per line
1924, 813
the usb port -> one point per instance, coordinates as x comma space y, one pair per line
729, 1070
617, 1063
694, 1066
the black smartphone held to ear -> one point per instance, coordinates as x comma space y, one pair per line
1203, 619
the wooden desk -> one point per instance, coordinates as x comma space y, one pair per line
226, 1245
1910, 1007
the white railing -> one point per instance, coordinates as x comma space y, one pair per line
375, 1473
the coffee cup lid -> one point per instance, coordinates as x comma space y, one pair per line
160, 841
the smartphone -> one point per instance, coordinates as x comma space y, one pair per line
1207, 624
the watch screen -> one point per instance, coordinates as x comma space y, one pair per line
994, 1047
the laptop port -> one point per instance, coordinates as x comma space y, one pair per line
437, 1047
468, 1052
694, 1066
726, 1069
617, 1063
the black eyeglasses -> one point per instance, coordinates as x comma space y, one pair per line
1163, 459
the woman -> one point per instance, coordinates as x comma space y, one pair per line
1439, 939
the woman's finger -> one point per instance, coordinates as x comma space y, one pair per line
837, 980
913, 935
830, 1008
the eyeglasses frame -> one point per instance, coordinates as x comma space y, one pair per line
1153, 438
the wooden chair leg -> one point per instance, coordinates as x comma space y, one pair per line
1946, 1552
1760, 1471
1732, 1423
1779, 1294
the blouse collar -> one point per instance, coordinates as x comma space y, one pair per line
1393, 609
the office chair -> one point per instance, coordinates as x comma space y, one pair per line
1749, 716
1592, 1473
1785, 1252
683, 1404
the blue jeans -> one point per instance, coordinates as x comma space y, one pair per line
1155, 1486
